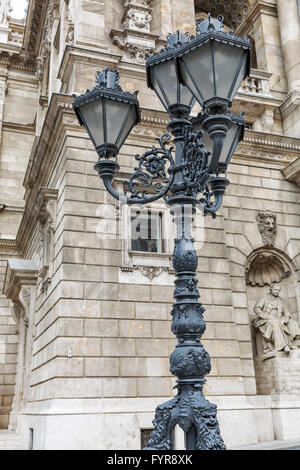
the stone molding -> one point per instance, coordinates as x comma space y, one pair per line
20, 275
292, 171
290, 104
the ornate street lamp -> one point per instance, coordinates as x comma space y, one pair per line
209, 68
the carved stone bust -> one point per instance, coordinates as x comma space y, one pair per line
266, 222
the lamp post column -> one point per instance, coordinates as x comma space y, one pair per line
189, 362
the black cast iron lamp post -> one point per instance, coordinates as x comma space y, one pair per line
209, 68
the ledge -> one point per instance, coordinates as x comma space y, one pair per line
292, 171
19, 272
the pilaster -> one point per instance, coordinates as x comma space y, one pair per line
19, 287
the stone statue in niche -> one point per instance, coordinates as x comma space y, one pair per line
278, 329
266, 222
5, 11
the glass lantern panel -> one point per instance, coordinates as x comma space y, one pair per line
196, 69
166, 80
240, 78
92, 117
227, 60
186, 97
129, 123
234, 139
157, 89
116, 114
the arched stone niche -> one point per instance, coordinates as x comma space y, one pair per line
263, 267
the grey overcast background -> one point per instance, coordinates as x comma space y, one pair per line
18, 8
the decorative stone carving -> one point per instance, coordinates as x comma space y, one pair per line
136, 39
274, 323
46, 215
5, 10
70, 19
148, 271
266, 222
45, 47
266, 267
234, 11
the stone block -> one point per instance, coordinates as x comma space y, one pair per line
135, 329
225, 331
117, 309
102, 257
144, 367
69, 327
101, 291
229, 367
162, 329
152, 347
151, 311
221, 297
224, 386
80, 347
120, 347
162, 294
278, 374
154, 387
100, 328
101, 367
78, 308
121, 387
221, 348
132, 292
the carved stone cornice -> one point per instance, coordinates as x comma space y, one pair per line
292, 171
9, 247
290, 104
34, 25
19, 277
76, 54
261, 146
42, 208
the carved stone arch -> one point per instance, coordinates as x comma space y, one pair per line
267, 265
233, 11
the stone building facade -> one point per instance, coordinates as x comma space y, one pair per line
84, 319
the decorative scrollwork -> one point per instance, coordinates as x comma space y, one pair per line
195, 161
152, 165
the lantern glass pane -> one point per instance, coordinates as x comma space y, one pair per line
157, 88
129, 124
227, 60
92, 116
197, 72
234, 139
186, 97
240, 78
116, 113
166, 80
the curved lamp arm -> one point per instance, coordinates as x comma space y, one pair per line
153, 164
216, 187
